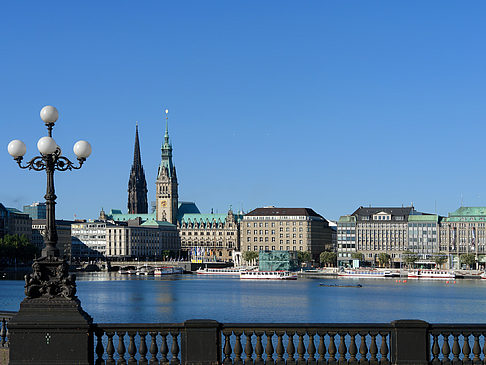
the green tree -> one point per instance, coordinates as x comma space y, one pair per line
409, 257
468, 259
250, 256
16, 248
383, 259
328, 258
357, 256
304, 256
440, 259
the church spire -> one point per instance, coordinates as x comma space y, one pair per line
137, 186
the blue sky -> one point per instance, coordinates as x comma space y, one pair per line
322, 104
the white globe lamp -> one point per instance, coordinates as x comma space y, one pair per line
82, 149
49, 114
16, 148
47, 145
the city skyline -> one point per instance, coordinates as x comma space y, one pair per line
327, 106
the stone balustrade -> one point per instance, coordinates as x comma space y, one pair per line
210, 342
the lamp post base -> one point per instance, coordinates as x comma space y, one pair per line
50, 327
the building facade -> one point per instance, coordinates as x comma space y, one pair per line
36, 210
285, 229
137, 185
423, 236
464, 232
14, 222
209, 237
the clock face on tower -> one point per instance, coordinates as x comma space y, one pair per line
163, 203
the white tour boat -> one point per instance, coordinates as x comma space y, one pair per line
168, 270
431, 274
268, 275
220, 271
363, 273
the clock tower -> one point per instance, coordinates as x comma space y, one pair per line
167, 197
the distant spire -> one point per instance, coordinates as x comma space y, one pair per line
137, 160
137, 186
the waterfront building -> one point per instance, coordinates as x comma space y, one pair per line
285, 229
346, 241
137, 185
209, 237
142, 240
63, 229
88, 240
36, 210
124, 240
463, 231
423, 236
14, 222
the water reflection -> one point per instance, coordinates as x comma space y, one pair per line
110, 297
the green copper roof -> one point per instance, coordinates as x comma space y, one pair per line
154, 223
207, 217
469, 211
117, 215
423, 218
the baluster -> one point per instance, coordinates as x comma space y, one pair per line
290, 348
353, 350
259, 348
476, 349
143, 349
373, 349
363, 349
280, 349
3, 332
301, 348
164, 349
384, 349
238, 348
110, 349
466, 349
269, 348
342, 349
153, 349
311, 349
99, 347
174, 349
121, 348
446, 350
248, 348
132, 348
435, 350
321, 349
456, 350
332, 349
227, 347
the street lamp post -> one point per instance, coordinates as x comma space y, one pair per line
51, 309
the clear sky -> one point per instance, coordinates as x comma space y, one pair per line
322, 104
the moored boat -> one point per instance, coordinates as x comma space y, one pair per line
431, 274
168, 270
220, 271
362, 273
268, 275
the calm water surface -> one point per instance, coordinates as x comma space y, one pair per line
110, 297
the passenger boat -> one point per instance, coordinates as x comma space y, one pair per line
362, 273
268, 275
431, 274
220, 271
168, 270
483, 275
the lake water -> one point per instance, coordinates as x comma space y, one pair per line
110, 297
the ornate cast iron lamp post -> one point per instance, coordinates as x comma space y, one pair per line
50, 320
50, 160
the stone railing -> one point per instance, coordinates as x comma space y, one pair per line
211, 342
